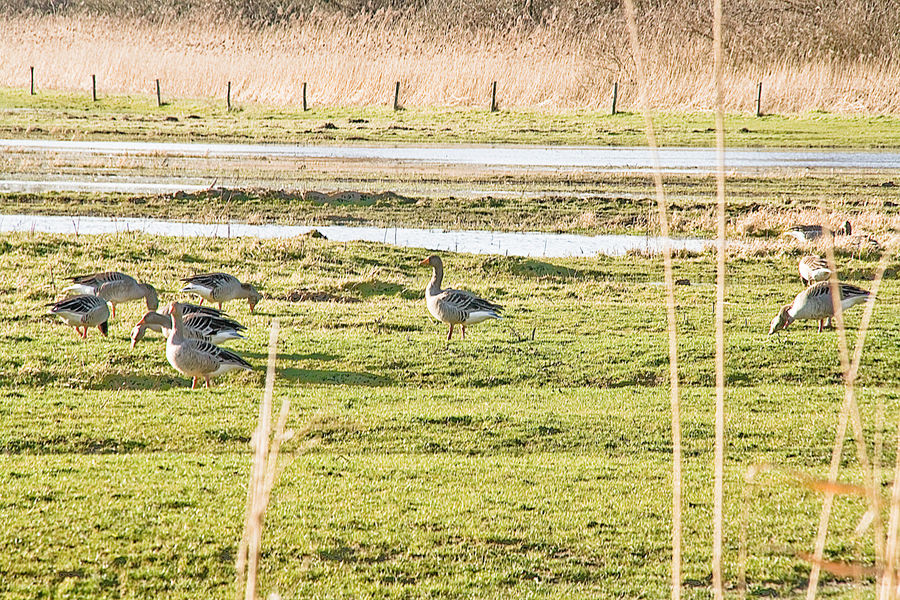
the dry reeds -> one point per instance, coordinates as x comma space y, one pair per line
671, 324
552, 62
262, 477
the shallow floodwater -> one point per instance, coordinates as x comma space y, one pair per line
560, 157
477, 242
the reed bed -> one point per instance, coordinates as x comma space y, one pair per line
355, 59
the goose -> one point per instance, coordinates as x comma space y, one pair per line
117, 288
198, 326
810, 233
83, 310
198, 358
812, 269
814, 303
220, 287
455, 307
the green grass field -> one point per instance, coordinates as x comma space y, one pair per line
532, 460
71, 115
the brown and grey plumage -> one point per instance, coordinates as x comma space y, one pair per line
116, 288
812, 269
83, 311
810, 233
815, 303
198, 358
455, 307
198, 326
221, 287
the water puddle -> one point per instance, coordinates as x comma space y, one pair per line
477, 242
555, 157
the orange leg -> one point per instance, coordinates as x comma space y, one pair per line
220, 306
201, 300
114, 309
84, 335
193, 383
464, 331
208, 384
450, 333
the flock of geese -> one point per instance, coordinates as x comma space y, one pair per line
193, 332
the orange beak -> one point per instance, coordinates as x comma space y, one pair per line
424, 261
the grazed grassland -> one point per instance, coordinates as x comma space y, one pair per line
67, 115
530, 460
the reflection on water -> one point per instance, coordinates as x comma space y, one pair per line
477, 242
592, 158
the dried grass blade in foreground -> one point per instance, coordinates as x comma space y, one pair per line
247, 562
850, 370
670, 303
719, 458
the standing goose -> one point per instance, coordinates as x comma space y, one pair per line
455, 307
84, 310
810, 233
116, 288
220, 287
198, 326
812, 269
814, 303
198, 358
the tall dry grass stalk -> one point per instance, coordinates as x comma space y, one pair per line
262, 477
719, 458
849, 412
355, 59
671, 324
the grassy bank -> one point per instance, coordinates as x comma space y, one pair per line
530, 460
759, 206
68, 115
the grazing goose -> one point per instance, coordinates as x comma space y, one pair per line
84, 310
197, 326
116, 287
812, 269
198, 358
220, 287
814, 303
455, 307
810, 233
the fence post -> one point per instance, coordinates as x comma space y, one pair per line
494, 97
228, 97
158, 94
397, 96
759, 100
615, 96
305, 108
32, 81
94, 87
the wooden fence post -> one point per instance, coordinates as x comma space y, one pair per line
759, 100
32, 81
94, 87
397, 96
494, 97
228, 97
305, 107
158, 94
615, 96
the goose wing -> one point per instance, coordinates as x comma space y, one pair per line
209, 325
194, 309
466, 302
211, 280
83, 308
216, 355
95, 280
